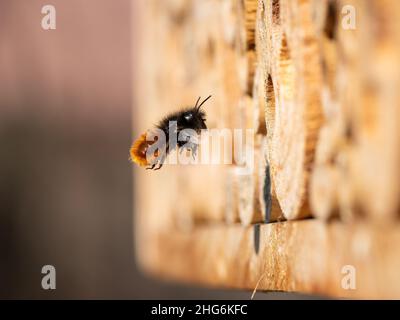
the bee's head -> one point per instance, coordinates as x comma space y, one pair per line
194, 118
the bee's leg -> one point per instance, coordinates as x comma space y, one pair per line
151, 167
194, 150
161, 162
185, 148
192, 147
159, 166
185, 145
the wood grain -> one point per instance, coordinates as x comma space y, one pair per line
324, 105
303, 256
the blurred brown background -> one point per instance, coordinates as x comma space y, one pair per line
65, 131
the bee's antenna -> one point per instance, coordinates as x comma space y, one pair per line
198, 108
197, 102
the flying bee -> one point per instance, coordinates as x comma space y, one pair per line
152, 153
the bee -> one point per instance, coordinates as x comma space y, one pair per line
152, 153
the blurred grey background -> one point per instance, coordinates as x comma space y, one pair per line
65, 132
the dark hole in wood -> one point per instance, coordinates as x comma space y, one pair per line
349, 132
256, 238
276, 12
324, 67
210, 48
267, 194
331, 20
251, 46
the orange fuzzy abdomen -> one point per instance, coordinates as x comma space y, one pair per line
139, 149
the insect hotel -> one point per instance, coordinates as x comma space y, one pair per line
317, 83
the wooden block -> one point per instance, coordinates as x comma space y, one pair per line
250, 210
373, 109
268, 203
361, 107
289, 58
324, 105
303, 256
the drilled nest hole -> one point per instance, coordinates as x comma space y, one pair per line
260, 95
329, 57
331, 20
276, 12
267, 194
270, 106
